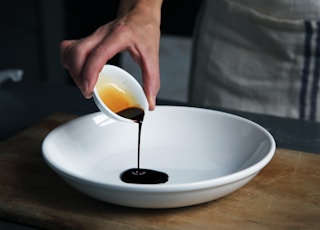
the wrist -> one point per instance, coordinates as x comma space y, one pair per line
146, 9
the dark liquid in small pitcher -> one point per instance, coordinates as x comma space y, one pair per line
139, 175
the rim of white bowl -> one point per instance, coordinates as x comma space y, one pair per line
156, 188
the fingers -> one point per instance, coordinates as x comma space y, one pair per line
107, 48
86, 57
151, 81
72, 59
148, 59
74, 56
121, 38
64, 45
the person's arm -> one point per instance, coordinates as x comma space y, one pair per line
136, 29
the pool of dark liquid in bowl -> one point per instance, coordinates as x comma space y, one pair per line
140, 175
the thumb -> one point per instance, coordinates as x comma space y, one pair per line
151, 84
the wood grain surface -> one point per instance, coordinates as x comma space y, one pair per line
284, 195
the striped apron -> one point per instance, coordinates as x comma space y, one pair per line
258, 56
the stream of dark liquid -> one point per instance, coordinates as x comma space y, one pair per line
139, 175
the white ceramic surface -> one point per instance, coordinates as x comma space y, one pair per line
111, 74
207, 154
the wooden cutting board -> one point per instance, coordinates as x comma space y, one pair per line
284, 195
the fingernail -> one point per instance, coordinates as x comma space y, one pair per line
152, 102
85, 86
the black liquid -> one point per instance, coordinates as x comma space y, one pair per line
138, 175
133, 113
144, 176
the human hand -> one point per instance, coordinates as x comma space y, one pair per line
136, 30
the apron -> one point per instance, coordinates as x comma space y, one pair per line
258, 56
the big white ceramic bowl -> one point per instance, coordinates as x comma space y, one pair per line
207, 155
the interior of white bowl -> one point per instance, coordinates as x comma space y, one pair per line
191, 145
